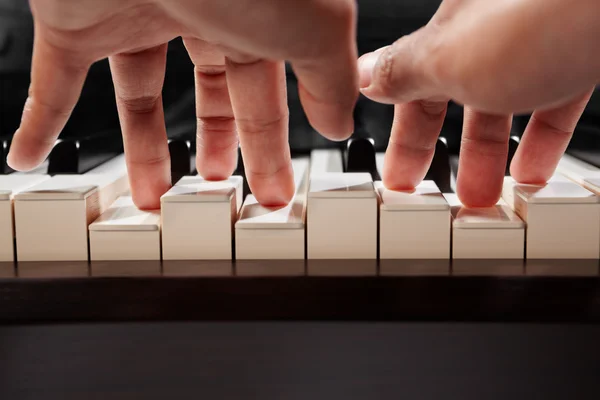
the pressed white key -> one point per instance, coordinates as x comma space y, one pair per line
325, 160
52, 218
274, 233
198, 218
342, 217
9, 186
123, 232
414, 225
486, 233
563, 218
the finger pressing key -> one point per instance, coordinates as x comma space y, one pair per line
483, 155
216, 141
138, 79
545, 140
258, 96
57, 78
412, 143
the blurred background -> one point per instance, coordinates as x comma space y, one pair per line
380, 23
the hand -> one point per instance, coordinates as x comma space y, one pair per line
496, 58
238, 48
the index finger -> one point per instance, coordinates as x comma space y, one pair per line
57, 78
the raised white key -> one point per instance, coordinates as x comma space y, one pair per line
10, 185
52, 218
263, 233
325, 160
123, 232
486, 233
576, 170
414, 225
198, 218
563, 218
342, 217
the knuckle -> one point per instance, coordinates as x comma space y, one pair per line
433, 109
150, 160
254, 126
486, 146
420, 149
141, 104
34, 103
551, 127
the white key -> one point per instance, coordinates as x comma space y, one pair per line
379, 161
9, 186
52, 218
264, 233
563, 218
342, 217
123, 232
198, 218
325, 160
414, 225
578, 171
486, 233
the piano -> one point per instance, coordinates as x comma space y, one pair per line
352, 290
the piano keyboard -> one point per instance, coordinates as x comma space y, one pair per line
335, 215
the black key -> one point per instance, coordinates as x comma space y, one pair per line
376, 119
182, 149
241, 171
4, 148
181, 164
360, 157
360, 148
440, 171
513, 143
77, 156
585, 144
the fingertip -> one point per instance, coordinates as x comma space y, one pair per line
24, 158
529, 176
146, 191
334, 121
476, 198
366, 65
216, 169
276, 190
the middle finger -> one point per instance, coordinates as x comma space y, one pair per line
483, 157
258, 96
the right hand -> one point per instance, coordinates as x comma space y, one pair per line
238, 48
497, 58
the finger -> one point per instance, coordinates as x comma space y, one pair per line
328, 88
57, 78
138, 79
324, 59
483, 155
545, 140
258, 97
412, 143
216, 141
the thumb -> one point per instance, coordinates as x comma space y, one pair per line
402, 72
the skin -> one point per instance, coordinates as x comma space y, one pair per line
238, 48
497, 59
514, 56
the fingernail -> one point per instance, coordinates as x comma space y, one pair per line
366, 64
